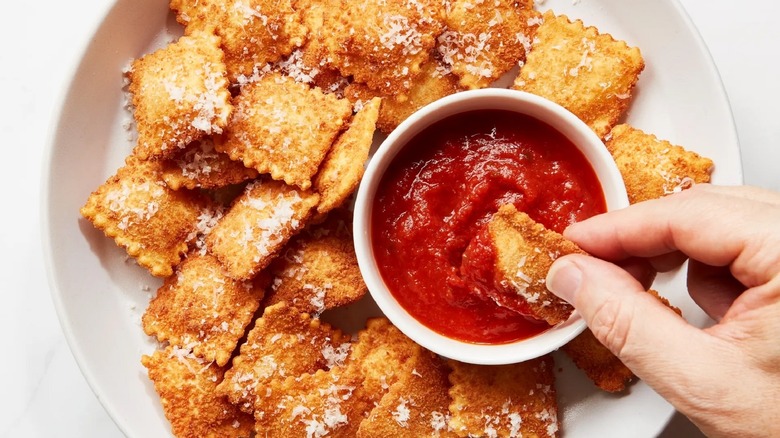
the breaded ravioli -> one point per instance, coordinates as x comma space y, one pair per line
284, 128
202, 308
652, 168
483, 40
522, 251
149, 220
516, 400
318, 269
589, 73
186, 385
199, 165
340, 173
258, 224
384, 43
283, 343
253, 32
416, 405
433, 83
325, 403
179, 94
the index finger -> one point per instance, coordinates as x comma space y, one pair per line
714, 225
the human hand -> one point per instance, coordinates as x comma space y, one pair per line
725, 378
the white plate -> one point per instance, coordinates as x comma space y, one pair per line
100, 296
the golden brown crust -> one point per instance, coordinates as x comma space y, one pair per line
343, 167
484, 40
590, 74
318, 269
430, 85
146, 218
253, 32
382, 43
186, 385
283, 343
525, 250
284, 128
200, 308
179, 94
652, 168
258, 225
416, 405
325, 403
199, 165
504, 400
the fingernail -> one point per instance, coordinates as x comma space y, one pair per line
564, 279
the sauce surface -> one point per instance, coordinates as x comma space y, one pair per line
444, 186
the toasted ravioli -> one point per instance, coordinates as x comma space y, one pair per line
253, 32
384, 43
179, 94
198, 15
523, 251
598, 363
484, 40
433, 83
318, 270
504, 400
201, 308
199, 165
258, 224
186, 385
143, 216
590, 74
283, 343
652, 168
416, 405
326, 403
343, 167
284, 128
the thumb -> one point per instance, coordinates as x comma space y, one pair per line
654, 342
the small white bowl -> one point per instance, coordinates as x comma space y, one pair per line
497, 99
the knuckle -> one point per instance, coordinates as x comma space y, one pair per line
611, 324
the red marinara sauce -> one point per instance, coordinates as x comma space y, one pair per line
445, 185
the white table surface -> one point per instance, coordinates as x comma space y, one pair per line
42, 390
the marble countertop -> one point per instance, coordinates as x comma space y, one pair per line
43, 392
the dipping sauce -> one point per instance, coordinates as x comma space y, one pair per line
445, 185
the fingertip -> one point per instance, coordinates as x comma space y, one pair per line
564, 279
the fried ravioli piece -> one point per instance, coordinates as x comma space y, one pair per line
381, 354
384, 43
201, 166
326, 403
653, 168
253, 32
504, 400
318, 270
590, 74
484, 40
343, 167
283, 343
522, 251
433, 83
598, 363
202, 308
180, 94
284, 128
186, 385
416, 405
258, 224
143, 216
197, 15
